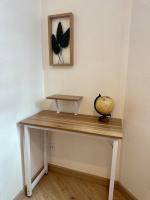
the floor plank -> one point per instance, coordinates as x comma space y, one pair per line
57, 186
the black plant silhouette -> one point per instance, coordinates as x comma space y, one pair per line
60, 41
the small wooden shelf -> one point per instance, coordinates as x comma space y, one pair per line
65, 97
75, 99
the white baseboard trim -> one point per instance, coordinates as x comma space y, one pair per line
82, 167
103, 181
20, 195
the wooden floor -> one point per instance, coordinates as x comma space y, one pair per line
57, 186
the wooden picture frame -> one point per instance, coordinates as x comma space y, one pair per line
56, 59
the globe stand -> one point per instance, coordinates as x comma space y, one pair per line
105, 118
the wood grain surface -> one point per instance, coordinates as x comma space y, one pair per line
85, 124
65, 97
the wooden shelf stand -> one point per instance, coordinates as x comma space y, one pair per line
60, 97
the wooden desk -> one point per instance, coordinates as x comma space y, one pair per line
82, 124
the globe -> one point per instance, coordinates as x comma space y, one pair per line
104, 105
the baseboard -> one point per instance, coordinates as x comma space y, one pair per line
81, 166
128, 195
85, 176
89, 177
23, 192
20, 195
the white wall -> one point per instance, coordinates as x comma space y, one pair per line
20, 85
101, 43
103, 25
135, 167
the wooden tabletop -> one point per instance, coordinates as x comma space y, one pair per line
65, 97
86, 124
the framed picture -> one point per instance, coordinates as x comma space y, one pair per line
60, 39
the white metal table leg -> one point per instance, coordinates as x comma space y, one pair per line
45, 152
113, 169
27, 160
57, 106
76, 107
